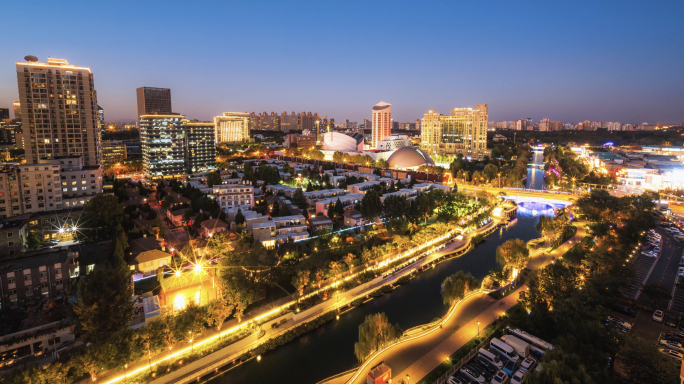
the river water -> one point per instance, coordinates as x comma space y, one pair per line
329, 349
535, 175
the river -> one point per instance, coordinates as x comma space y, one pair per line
535, 175
329, 349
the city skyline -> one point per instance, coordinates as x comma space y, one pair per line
599, 67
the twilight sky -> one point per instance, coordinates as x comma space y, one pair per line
566, 60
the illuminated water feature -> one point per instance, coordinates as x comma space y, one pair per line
329, 349
535, 175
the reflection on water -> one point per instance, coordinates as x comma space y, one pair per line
535, 175
533, 208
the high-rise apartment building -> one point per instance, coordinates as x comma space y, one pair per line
544, 125
232, 127
555, 125
289, 122
521, 125
464, 132
270, 122
59, 111
100, 117
201, 146
153, 100
382, 122
17, 109
162, 137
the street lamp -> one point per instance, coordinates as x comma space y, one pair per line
408, 379
478, 328
499, 174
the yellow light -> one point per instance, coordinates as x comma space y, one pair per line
197, 268
178, 273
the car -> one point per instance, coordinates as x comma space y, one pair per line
672, 353
473, 375
617, 327
456, 380
517, 377
528, 364
491, 367
620, 321
473, 366
625, 311
669, 337
657, 316
649, 254
510, 367
671, 345
501, 377
671, 321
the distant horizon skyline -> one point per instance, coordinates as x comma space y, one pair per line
570, 62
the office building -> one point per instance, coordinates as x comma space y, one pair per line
201, 147
232, 127
17, 109
100, 117
162, 137
382, 122
4, 114
113, 151
464, 132
7, 134
153, 100
59, 111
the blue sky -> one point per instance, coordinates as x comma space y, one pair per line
566, 60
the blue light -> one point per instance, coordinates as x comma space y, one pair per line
608, 144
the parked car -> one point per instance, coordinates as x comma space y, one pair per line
473, 375
671, 321
620, 321
672, 353
670, 344
491, 367
510, 367
491, 357
473, 366
517, 377
625, 311
528, 364
658, 316
501, 377
456, 380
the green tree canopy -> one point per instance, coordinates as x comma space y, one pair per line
375, 332
513, 253
99, 219
371, 206
456, 286
214, 178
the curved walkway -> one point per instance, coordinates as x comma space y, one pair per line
425, 354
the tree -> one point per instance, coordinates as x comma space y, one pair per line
219, 310
301, 280
644, 364
490, 170
239, 217
335, 269
284, 210
32, 242
168, 202
349, 260
214, 178
513, 253
657, 292
299, 199
159, 224
500, 275
374, 333
457, 286
425, 206
100, 217
104, 304
371, 206
560, 367
396, 206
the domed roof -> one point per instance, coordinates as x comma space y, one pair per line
409, 157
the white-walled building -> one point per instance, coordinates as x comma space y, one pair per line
229, 196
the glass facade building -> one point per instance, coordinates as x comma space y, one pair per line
201, 147
162, 137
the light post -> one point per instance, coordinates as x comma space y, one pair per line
478, 328
499, 174
408, 379
573, 185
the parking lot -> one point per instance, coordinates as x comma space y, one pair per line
665, 269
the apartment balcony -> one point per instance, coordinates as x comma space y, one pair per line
12, 286
44, 290
58, 276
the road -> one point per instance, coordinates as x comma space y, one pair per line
665, 270
425, 354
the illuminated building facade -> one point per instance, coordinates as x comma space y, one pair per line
162, 137
382, 122
113, 151
153, 100
201, 147
17, 109
464, 132
58, 105
232, 127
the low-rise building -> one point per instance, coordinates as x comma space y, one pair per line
212, 226
278, 189
353, 218
362, 187
113, 151
348, 200
146, 263
320, 224
314, 196
280, 229
237, 195
409, 194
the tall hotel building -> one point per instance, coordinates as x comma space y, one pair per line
464, 132
153, 100
382, 122
162, 137
58, 108
232, 127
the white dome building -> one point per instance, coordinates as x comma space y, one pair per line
337, 141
